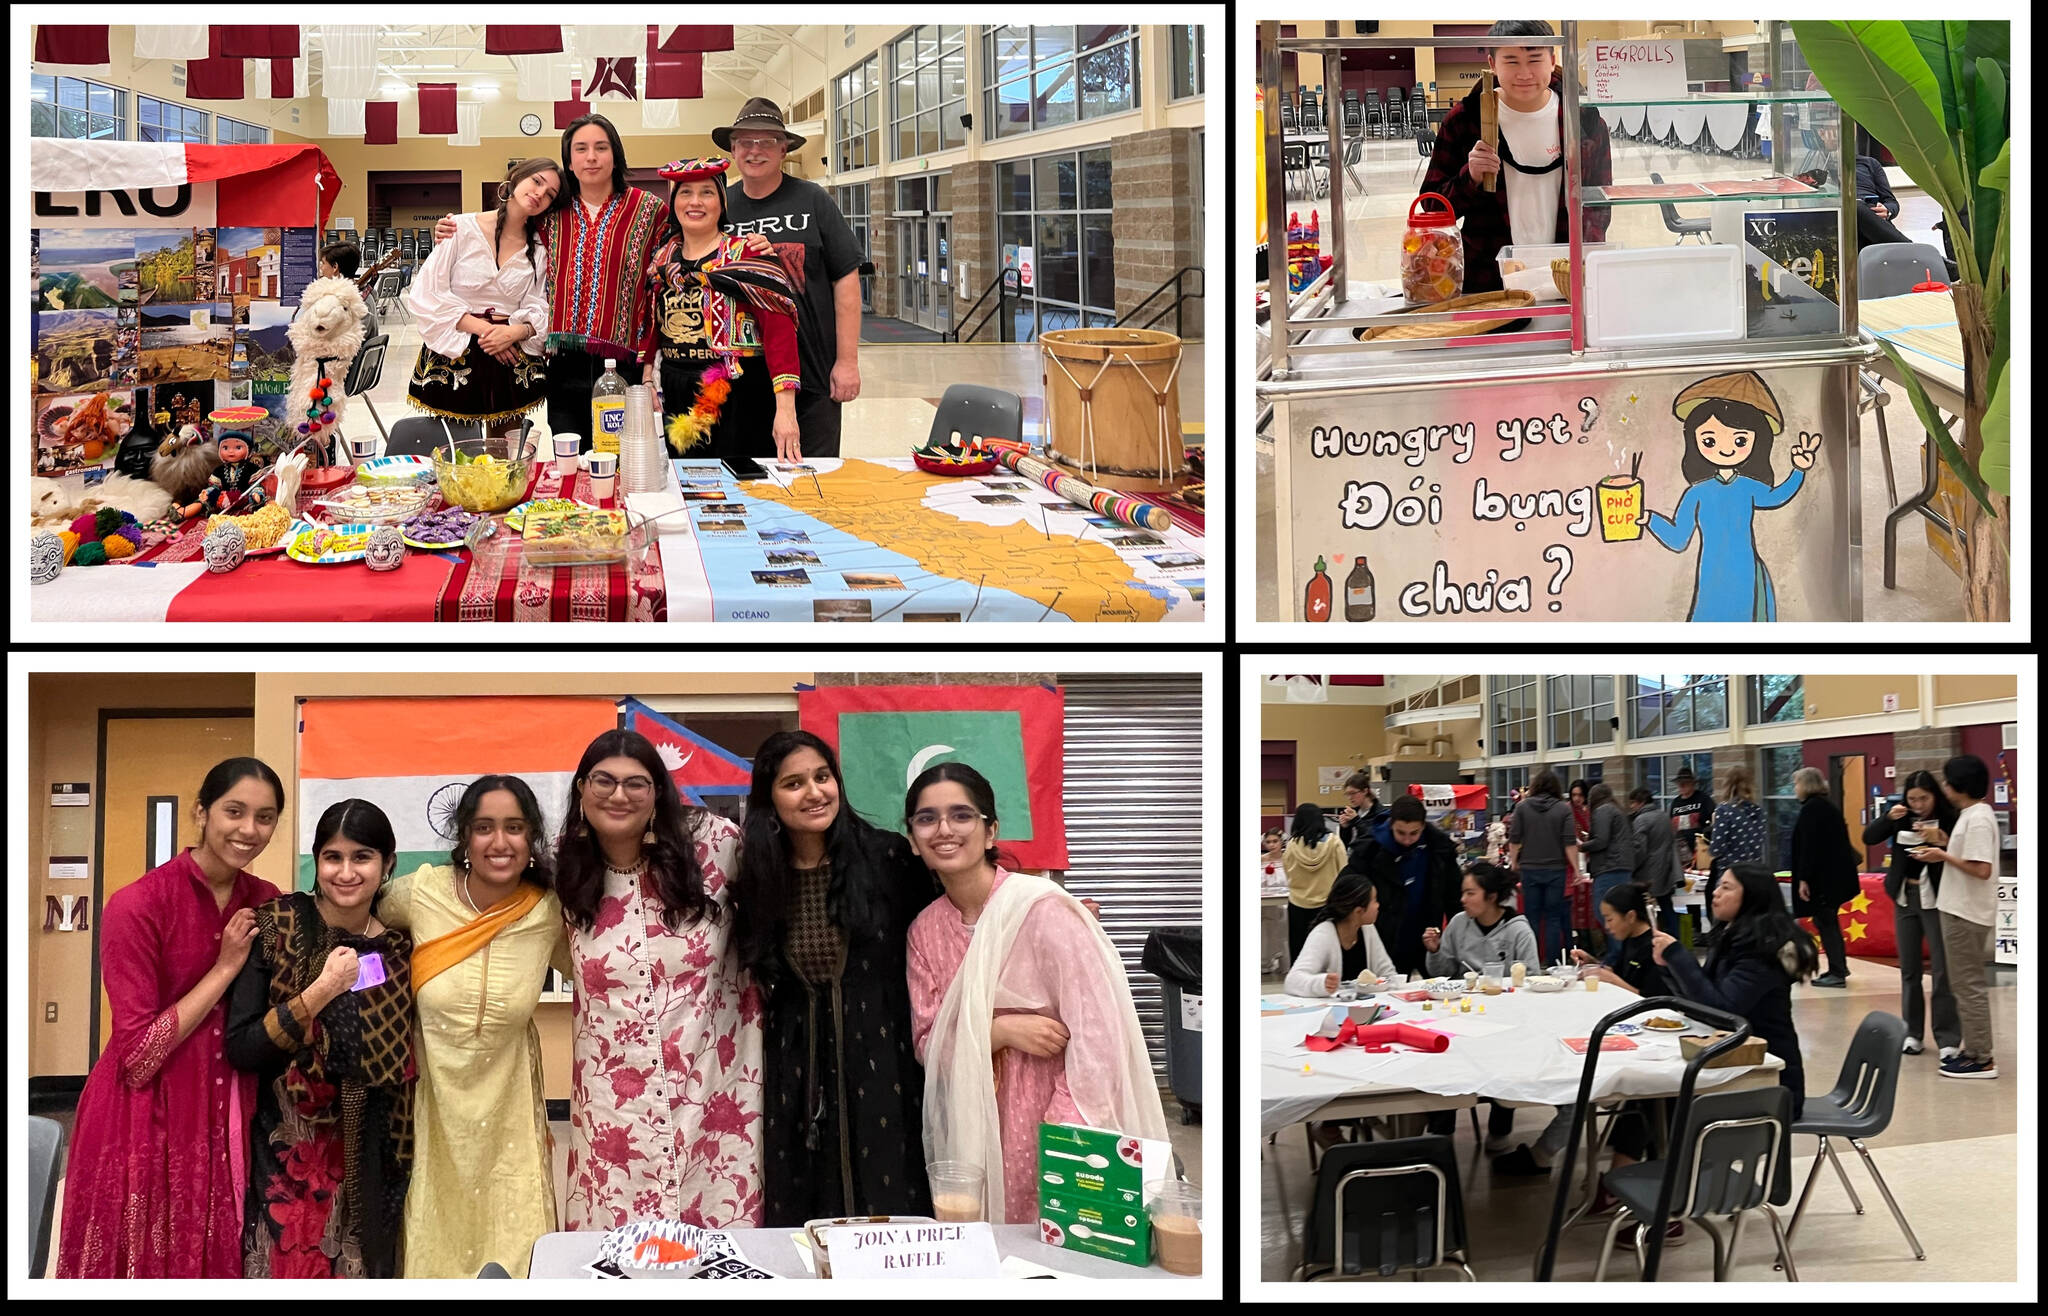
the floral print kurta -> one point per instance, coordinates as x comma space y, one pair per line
665, 1116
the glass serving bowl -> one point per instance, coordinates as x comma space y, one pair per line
487, 475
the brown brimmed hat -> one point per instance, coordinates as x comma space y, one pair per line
759, 112
1744, 386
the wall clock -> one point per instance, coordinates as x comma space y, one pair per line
530, 125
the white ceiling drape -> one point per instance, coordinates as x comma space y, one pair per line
344, 118
172, 41
468, 117
605, 40
348, 61
545, 77
659, 114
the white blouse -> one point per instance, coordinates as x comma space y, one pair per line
1322, 954
462, 277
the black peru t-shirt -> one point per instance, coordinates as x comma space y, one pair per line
818, 247
1692, 817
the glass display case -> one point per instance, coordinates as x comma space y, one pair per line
1709, 259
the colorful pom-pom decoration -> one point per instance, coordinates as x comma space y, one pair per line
304, 428
326, 383
70, 541
118, 546
89, 555
84, 530
106, 521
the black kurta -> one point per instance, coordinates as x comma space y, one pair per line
321, 1203
844, 1127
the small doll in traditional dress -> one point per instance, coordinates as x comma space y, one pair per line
239, 473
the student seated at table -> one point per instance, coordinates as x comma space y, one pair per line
1629, 965
1754, 955
1343, 942
1487, 931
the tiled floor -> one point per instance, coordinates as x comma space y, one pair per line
1927, 590
1950, 1156
899, 387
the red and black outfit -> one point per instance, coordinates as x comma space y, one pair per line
1486, 228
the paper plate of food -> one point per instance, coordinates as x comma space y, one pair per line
668, 1246
325, 546
264, 531
394, 470
447, 528
1543, 982
375, 503
1664, 1023
516, 518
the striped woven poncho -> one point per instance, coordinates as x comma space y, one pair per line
755, 310
597, 299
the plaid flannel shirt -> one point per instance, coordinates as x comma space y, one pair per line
1486, 228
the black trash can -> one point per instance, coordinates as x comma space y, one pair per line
1174, 956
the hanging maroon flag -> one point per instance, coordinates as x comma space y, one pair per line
380, 123
614, 77
568, 111
437, 109
500, 39
66, 44
674, 77
281, 81
269, 41
214, 79
699, 39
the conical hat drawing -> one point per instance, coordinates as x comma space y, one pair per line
1744, 386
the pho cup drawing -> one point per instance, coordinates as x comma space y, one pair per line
1621, 505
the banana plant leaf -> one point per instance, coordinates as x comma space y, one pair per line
1996, 427
1930, 420
1877, 75
1933, 38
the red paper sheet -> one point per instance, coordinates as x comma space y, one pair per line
1787, 186
279, 589
1607, 1043
1643, 191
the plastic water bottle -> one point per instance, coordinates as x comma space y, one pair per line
607, 409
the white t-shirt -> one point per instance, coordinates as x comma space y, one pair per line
1974, 837
1322, 954
1532, 200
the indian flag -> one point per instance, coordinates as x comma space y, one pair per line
413, 758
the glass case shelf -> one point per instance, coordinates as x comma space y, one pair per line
1719, 98
1595, 195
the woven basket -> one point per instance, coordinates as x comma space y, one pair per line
1455, 329
1561, 275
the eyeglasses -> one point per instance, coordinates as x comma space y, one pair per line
959, 816
755, 143
604, 783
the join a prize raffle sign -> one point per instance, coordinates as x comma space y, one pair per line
1573, 500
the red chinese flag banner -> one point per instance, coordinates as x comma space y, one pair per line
66, 44
698, 39
1866, 919
886, 735
568, 111
503, 39
437, 109
380, 123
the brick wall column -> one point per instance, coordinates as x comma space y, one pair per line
882, 251
974, 238
1152, 185
1923, 750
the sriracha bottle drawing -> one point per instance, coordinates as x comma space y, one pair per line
1315, 605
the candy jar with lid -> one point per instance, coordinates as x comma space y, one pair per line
1432, 253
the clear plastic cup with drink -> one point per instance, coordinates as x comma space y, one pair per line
1176, 1211
957, 1191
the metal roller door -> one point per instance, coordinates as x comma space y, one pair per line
1133, 799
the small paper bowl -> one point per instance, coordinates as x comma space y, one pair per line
1544, 983
621, 1245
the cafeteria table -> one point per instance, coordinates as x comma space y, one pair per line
564, 1255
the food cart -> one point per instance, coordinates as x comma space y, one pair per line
1541, 466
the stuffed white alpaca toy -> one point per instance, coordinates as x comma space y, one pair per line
325, 337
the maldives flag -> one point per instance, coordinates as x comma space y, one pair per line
699, 767
413, 758
1015, 736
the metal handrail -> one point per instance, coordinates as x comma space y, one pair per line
960, 334
1179, 297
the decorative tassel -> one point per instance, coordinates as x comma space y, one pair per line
691, 428
648, 839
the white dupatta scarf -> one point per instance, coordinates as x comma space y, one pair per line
1110, 1079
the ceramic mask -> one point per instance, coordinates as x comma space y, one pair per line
45, 558
225, 549
386, 549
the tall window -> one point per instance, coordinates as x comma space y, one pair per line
1776, 699
1058, 206
76, 107
1659, 773
853, 203
234, 131
927, 91
1506, 781
857, 116
1776, 765
1511, 715
1677, 705
1581, 708
1187, 60
166, 121
1042, 77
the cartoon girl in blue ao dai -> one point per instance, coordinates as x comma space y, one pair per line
1730, 421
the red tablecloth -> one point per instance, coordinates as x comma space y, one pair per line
492, 584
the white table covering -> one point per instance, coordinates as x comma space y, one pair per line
1523, 1061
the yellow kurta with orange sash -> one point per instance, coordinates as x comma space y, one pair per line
482, 1182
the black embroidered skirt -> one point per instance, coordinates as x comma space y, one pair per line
476, 385
746, 423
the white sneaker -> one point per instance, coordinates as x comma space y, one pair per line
1951, 1052
1913, 1047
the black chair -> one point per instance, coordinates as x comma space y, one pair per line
492, 1270
1684, 228
1311, 115
1384, 1207
422, 436
1859, 1107
1732, 1160
363, 375
387, 286
976, 411
1397, 116
1425, 145
1354, 113
1286, 114
45, 1160
1376, 113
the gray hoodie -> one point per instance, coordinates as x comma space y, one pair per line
1609, 845
1656, 855
1467, 949
1544, 827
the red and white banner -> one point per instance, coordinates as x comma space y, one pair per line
107, 184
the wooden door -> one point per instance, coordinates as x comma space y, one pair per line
153, 768
1852, 796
